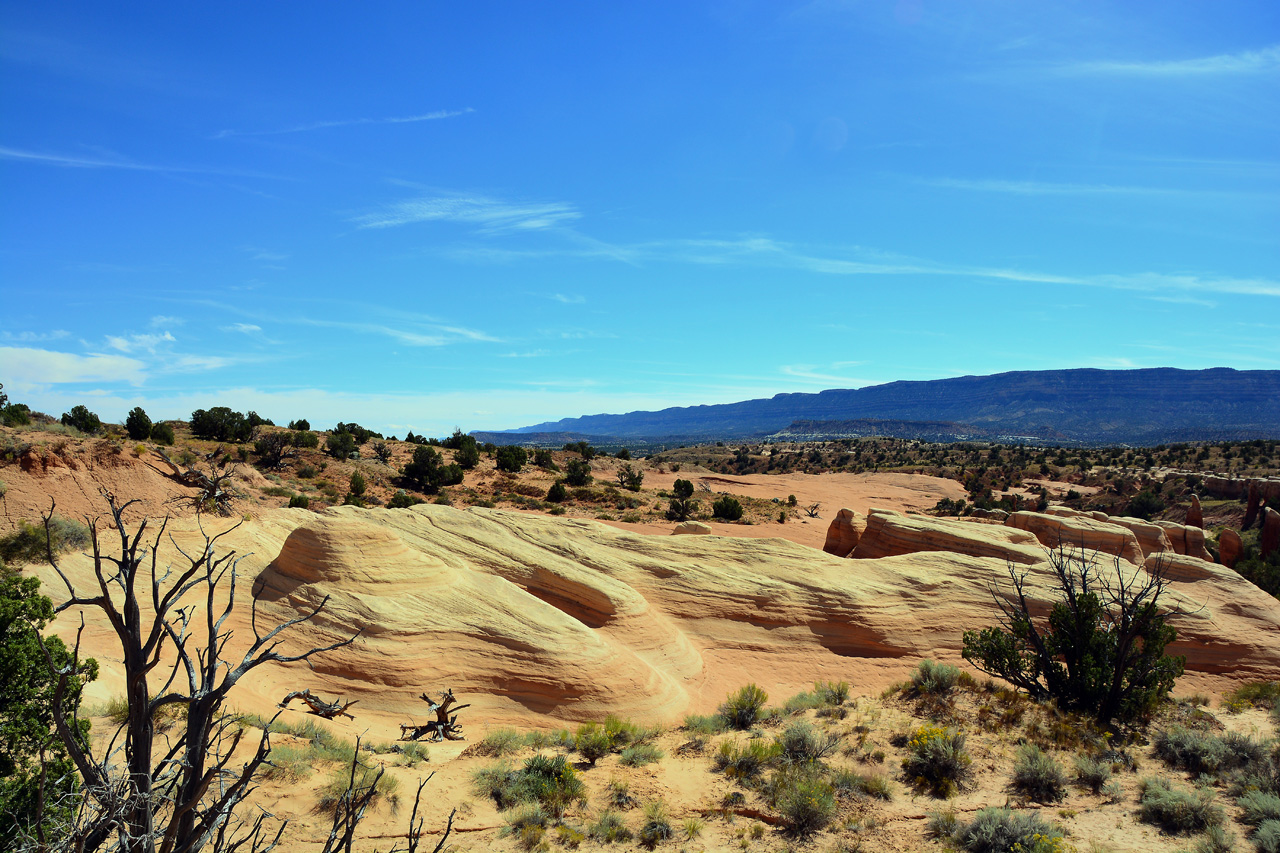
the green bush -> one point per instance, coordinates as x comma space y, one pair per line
741, 709
551, 781
1258, 806
137, 424
1267, 838
592, 742
1092, 773
1177, 810
804, 798
557, 493
306, 439
870, 784
300, 502
340, 445
640, 754
1002, 830
30, 542
832, 692
705, 724
500, 742
745, 762
801, 743
82, 419
609, 828
510, 458
402, 500
342, 787
937, 761
727, 508
578, 472
1037, 776
427, 472
220, 424
934, 679
1101, 649
1200, 752
162, 433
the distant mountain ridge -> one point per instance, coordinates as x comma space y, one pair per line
1086, 405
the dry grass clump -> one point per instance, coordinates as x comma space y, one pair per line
1092, 773
549, 781
743, 709
1178, 810
610, 828
346, 786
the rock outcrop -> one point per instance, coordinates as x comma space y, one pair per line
890, 534
844, 532
1079, 531
1252, 507
1186, 539
691, 528
1230, 548
1151, 536
1269, 540
1195, 515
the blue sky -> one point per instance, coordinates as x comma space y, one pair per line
489, 215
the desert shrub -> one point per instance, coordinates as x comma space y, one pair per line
550, 781
557, 493
524, 815
741, 709
592, 742
1038, 776
804, 798
30, 543
727, 508
609, 828
543, 459
306, 439
1101, 650
340, 445
1002, 830
640, 754
1145, 504
272, 448
582, 448
577, 472
82, 419
744, 762
402, 500
427, 472
705, 724
510, 458
937, 761
137, 424
343, 787
1258, 806
1177, 810
1215, 840
220, 424
832, 692
942, 824
657, 825
500, 742
801, 743
934, 679
1092, 773
162, 433
1259, 694
467, 456
300, 502
287, 763
1267, 838
300, 424
1202, 752
846, 781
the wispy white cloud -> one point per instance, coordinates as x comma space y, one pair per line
491, 215
243, 328
567, 300
1040, 188
161, 320
324, 125
537, 353
1244, 62
76, 161
424, 336
133, 343
815, 373
35, 337
27, 368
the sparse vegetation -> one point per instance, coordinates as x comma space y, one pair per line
937, 761
742, 709
1037, 776
1177, 809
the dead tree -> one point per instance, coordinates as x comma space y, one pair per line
319, 707
177, 795
443, 727
213, 493
812, 510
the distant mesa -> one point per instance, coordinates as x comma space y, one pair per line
1084, 406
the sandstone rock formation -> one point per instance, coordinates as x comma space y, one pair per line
890, 534
1079, 531
1195, 515
694, 528
843, 533
1151, 536
1230, 548
1270, 538
1186, 539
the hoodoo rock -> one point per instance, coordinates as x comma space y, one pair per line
1195, 516
890, 534
1079, 532
691, 528
1270, 538
1251, 509
1230, 548
844, 532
